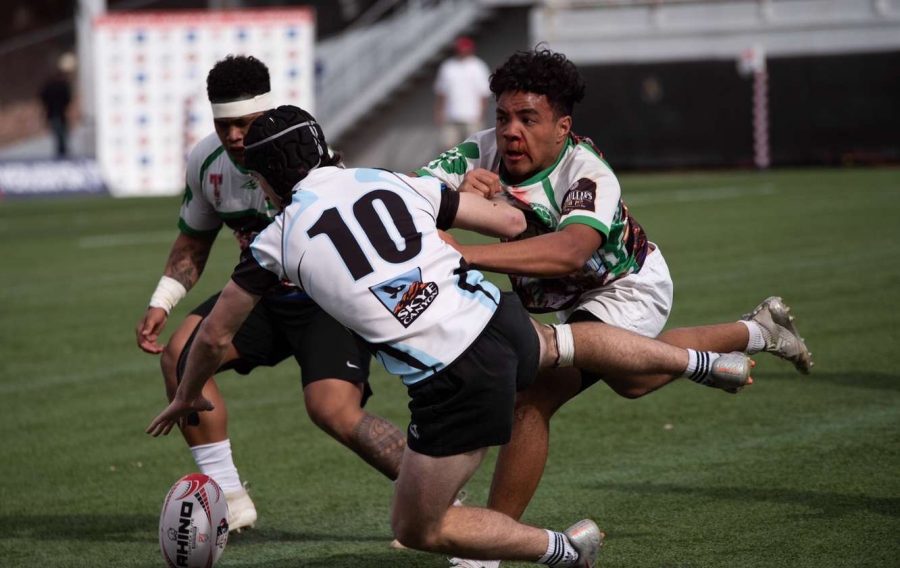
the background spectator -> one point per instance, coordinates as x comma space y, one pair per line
56, 96
462, 90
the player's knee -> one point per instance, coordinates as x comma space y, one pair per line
337, 417
334, 406
323, 416
630, 390
633, 393
415, 534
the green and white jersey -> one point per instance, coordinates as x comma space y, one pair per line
218, 191
579, 187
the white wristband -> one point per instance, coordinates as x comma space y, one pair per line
167, 294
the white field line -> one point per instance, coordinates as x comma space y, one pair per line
127, 239
704, 194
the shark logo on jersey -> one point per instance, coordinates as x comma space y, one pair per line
406, 296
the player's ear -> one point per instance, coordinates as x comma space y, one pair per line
563, 127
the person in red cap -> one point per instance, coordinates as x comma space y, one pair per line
461, 91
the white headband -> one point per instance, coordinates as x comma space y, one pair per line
234, 109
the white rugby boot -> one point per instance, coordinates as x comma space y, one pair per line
241, 511
586, 538
783, 340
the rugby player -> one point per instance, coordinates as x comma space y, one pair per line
583, 256
364, 244
334, 365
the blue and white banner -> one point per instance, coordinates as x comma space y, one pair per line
21, 178
151, 83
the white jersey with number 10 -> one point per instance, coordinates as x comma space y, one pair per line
363, 244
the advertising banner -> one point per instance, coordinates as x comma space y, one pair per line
150, 95
32, 178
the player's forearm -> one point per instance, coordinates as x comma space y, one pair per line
187, 259
214, 337
527, 257
494, 218
205, 357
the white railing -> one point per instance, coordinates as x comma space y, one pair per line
361, 67
636, 31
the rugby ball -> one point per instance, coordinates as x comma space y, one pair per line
193, 525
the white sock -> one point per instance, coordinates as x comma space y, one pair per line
215, 461
559, 551
699, 365
759, 337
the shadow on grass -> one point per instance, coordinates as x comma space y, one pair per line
394, 559
263, 535
143, 528
92, 528
855, 379
828, 505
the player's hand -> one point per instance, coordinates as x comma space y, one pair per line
482, 181
175, 413
149, 328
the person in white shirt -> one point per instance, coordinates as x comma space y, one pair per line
461, 93
366, 246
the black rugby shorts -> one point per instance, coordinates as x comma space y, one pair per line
279, 327
469, 404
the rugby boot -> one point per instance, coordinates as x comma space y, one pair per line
730, 372
783, 340
586, 538
241, 511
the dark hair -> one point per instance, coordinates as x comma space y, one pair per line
237, 77
542, 72
284, 152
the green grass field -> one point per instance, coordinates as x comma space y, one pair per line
794, 472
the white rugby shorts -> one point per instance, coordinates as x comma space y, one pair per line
638, 302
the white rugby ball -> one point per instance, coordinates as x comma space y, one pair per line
193, 525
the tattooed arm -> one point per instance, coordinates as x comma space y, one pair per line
379, 443
187, 259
